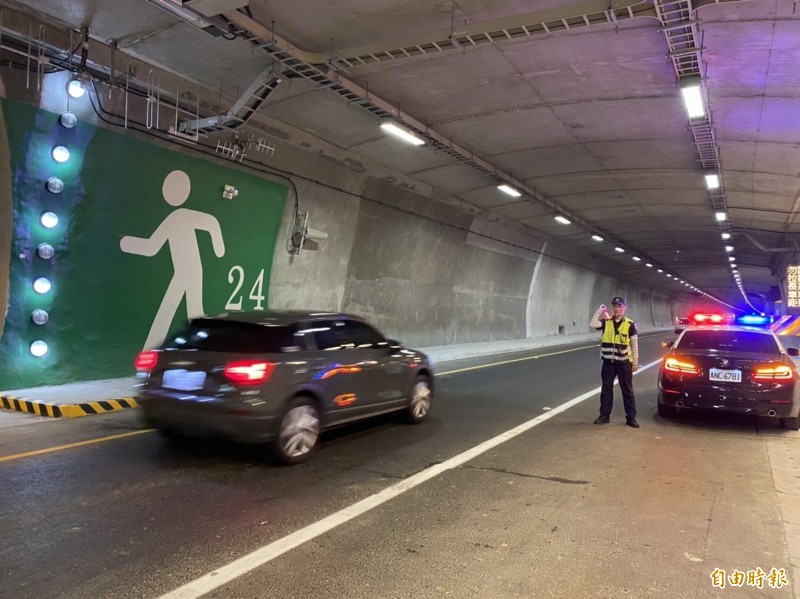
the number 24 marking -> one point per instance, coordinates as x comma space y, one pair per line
256, 293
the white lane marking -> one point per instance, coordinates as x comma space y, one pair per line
259, 557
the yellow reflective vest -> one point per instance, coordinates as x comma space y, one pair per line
616, 345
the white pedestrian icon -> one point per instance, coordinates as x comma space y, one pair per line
179, 229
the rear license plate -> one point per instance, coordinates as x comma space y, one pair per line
725, 376
183, 380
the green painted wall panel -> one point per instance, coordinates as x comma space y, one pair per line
106, 292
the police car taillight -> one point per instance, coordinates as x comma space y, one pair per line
773, 373
680, 366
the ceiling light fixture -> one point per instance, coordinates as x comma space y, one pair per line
597, 238
693, 97
562, 220
507, 189
619, 249
637, 259
648, 265
403, 133
712, 181
728, 248
726, 236
660, 270
720, 216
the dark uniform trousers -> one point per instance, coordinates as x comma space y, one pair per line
624, 372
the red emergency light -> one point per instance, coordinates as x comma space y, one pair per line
713, 318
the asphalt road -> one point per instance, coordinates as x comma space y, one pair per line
563, 509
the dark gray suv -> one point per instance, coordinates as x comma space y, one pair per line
279, 377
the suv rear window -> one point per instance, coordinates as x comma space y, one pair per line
230, 336
740, 341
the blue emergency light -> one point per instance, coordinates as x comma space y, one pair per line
754, 320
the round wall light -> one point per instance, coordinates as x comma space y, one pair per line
60, 154
41, 285
75, 88
55, 185
45, 251
40, 317
49, 220
68, 120
39, 348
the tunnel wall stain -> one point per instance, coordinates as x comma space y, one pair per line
103, 300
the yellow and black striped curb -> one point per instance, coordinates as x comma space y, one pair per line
65, 410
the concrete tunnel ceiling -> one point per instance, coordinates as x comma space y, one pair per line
578, 104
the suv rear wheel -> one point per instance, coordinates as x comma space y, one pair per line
298, 431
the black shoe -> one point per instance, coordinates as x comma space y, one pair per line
602, 419
632, 422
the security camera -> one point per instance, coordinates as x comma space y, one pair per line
301, 233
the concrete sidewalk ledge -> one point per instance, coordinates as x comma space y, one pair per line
65, 410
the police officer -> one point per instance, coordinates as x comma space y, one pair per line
620, 353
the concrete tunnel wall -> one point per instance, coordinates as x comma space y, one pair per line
434, 273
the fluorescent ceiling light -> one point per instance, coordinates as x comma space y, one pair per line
660, 270
637, 259
712, 181
648, 265
619, 249
728, 248
733, 266
597, 238
562, 220
401, 132
731, 259
726, 235
693, 99
720, 216
509, 190
669, 275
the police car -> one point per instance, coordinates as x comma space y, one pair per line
726, 364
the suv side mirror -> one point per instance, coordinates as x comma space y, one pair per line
793, 351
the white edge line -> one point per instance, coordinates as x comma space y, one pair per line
259, 557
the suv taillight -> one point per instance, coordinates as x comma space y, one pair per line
781, 372
249, 372
146, 361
